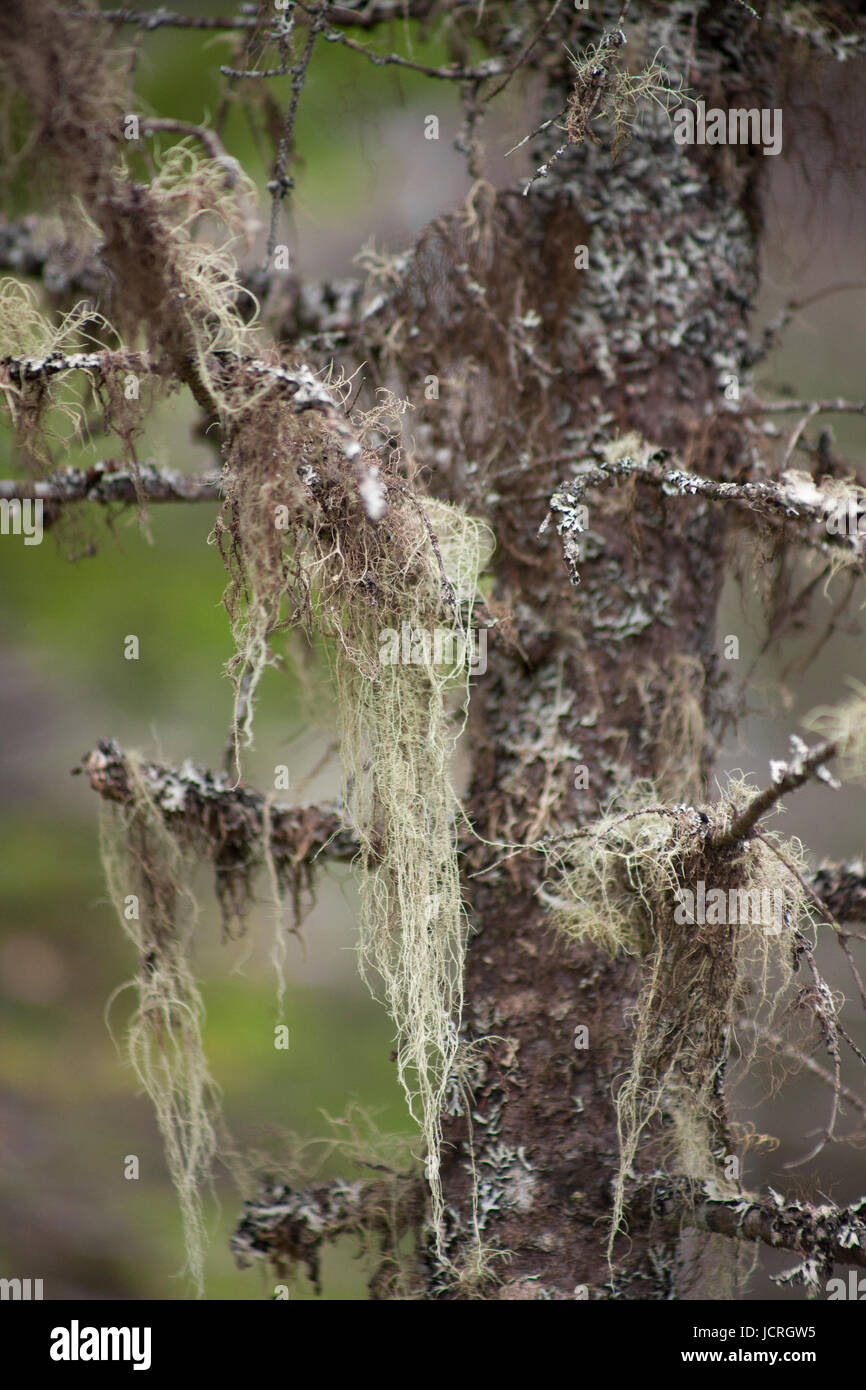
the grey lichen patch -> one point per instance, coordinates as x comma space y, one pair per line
506, 1179
654, 290
808, 23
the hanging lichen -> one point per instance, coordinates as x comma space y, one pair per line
147, 873
394, 594
397, 735
710, 930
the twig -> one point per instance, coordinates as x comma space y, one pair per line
774, 330
368, 16
209, 138
279, 184
787, 777
492, 67
837, 406
164, 19
782, 1045
525, 52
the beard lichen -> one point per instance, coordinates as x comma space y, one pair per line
397, 734
715, 934
147, 871
393, 596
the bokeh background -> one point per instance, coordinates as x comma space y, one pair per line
69, 1107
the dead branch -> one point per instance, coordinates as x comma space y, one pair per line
305, 832
302, 384
225, 824
837, 406
793, 498
787, 1049
826, 1234
787, 777
108, 482
285, 1227
328, 308
366, 16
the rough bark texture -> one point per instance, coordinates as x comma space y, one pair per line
592, 688
607, 642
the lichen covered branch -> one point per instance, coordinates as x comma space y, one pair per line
287, 1227
108, 482
786, 777
225, 824
824, 1235
793, 498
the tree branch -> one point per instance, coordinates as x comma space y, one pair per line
838, 406
226, 824
328, 308
302, 384
491, 67
304, 832
828, 1234
794, 497
106, 482
785, 1048
285, 1227
787, 777
366, 16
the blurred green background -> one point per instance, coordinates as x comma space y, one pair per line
69, 1108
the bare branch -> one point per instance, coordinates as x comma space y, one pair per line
787, 1049
366, 16
787, 777
153, 125
525, 52
165, 19
455, 72
837, 406
772, 333
279, 183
